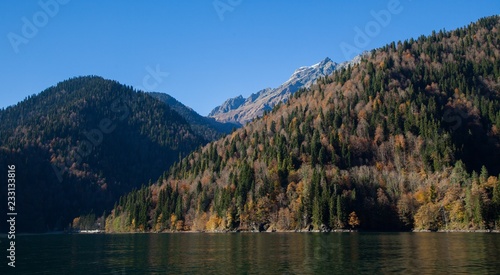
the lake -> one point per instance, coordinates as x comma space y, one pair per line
257, 253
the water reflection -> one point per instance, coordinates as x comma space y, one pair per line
262, 253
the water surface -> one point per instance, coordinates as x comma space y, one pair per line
258, 253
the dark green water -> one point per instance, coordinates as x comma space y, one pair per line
263, 253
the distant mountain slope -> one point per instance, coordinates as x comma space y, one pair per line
409, 138
79, 145
242, 110
228, 106
206, 127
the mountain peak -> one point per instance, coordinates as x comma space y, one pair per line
325, 61
242, 110
307, 75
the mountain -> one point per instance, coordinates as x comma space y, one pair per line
228, 105
78, 146
240, 110
206, 127
409, 138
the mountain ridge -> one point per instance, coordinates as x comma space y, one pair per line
207, 127
241, 110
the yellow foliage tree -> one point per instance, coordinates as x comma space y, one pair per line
159, 225
353, 220
173, 220
427, 217
213, 223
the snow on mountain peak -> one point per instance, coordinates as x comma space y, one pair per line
308, 74
241, 110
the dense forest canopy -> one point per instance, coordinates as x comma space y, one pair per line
82, 144
407, 139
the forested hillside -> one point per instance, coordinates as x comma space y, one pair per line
206, 127
407, 139
80, 145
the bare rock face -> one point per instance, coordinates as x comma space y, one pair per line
228, 105
240, 110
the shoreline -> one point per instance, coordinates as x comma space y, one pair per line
304, 231
95, 232
458, 231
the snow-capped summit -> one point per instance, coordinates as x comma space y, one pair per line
307, 75
240, 110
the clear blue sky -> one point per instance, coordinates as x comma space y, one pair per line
209, 55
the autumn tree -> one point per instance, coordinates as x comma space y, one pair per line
353, 220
